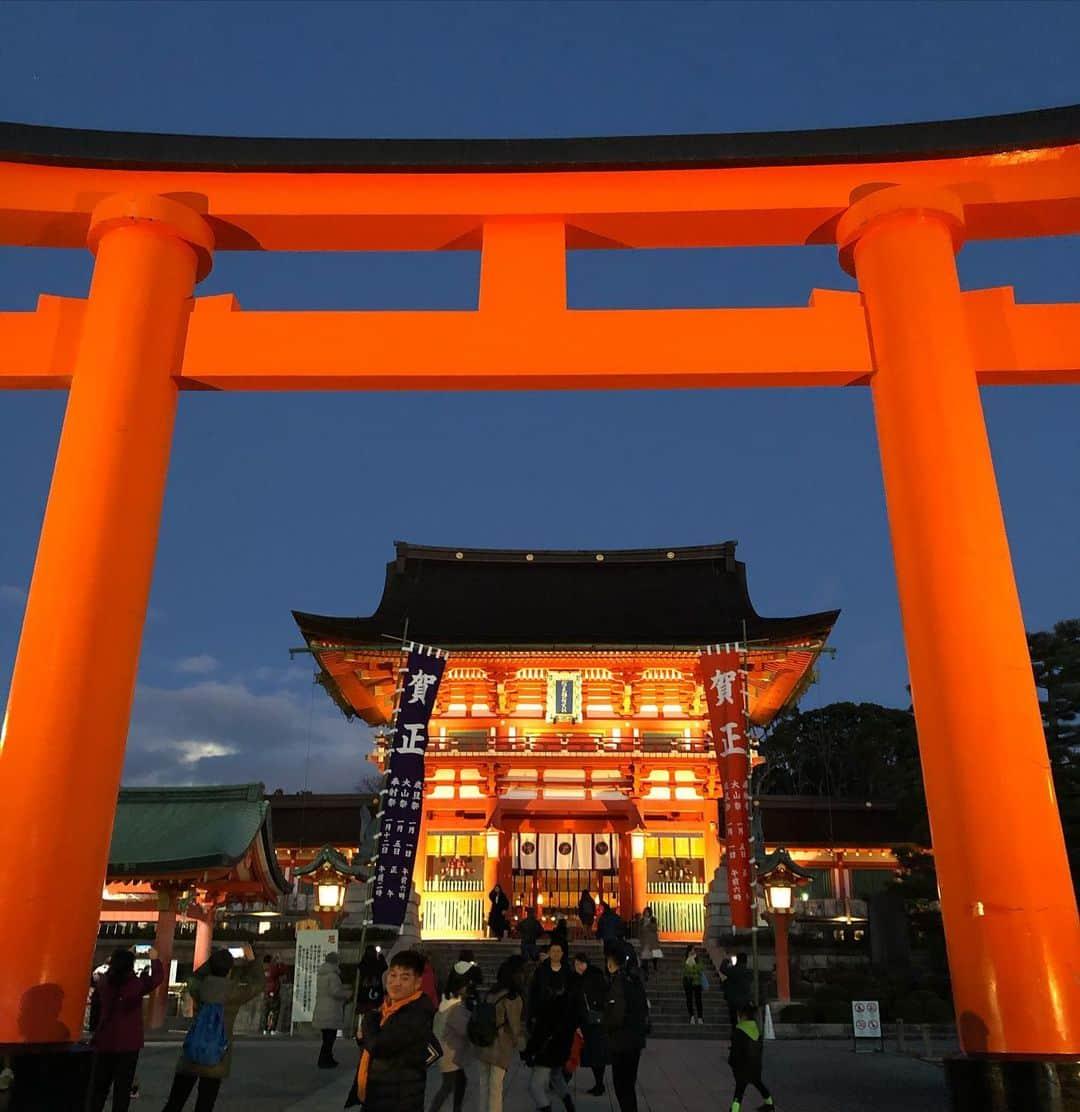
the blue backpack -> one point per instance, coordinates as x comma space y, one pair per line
206, 1042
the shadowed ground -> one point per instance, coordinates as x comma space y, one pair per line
279, 1075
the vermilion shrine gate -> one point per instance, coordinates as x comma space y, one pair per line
899, 202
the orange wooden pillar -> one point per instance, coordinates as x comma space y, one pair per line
781, 924
204, 938
62, 746
1006, 893
164, 937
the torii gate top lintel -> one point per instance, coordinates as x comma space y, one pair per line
763, 188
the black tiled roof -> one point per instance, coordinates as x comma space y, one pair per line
312, 820
629, 597
1045, 127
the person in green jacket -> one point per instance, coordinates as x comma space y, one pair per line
745, 1058
693, 981
217, 982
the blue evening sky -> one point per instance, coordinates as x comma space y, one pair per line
289, 501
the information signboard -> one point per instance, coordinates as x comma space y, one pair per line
311, 950
866, 1024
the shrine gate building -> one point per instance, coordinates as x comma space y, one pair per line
569, 746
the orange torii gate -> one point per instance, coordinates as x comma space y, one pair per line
898, 201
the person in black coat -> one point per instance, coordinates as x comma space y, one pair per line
738, 982
551, 1022
591, 992
626, 1022
500, 905
396, 1043
610, 929
586, 909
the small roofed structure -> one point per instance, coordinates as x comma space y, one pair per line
189, 851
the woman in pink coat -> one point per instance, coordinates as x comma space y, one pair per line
118, 1037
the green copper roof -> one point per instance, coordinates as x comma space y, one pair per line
177, 829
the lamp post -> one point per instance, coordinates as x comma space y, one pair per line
781, 877
330, 874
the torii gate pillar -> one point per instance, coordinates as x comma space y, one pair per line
66, 728
1005, 907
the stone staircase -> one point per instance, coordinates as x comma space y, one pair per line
666, 1000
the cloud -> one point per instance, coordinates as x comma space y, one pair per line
13, 596
213, 732
197, 665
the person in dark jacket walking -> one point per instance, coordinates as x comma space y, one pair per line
561, 934
586, 909
396, 1043
500, 905
529, 930
745, 1058
118, 1035
609, 928
551, 980
551, 1022
591, 990
371, 972
626, 1023
738, 986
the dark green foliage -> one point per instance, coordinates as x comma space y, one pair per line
848, 750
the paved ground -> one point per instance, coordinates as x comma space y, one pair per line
279, 1075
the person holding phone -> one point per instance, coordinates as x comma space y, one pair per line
118, 1035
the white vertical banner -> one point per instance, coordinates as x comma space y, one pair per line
583, 851
311, 950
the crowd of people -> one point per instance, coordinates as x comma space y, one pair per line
556, 1013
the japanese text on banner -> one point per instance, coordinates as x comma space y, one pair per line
723, 680
403, 792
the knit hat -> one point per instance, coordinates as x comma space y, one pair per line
332, 957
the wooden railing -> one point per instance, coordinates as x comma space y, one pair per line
681, 918
453, 884
554, 744
446, 915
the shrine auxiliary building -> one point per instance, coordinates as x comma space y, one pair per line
569, 747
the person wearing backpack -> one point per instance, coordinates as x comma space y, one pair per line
218, 991
451, 1028
372, 970
497, 1030
745, 1057
626, 1023
118, 1032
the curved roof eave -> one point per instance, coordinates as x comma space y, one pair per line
979, 135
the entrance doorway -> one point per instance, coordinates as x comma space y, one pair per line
555, 892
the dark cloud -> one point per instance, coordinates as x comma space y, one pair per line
216, 732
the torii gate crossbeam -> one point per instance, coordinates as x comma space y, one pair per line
898, 202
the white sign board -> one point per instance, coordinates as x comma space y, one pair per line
866, 1020
311, 950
